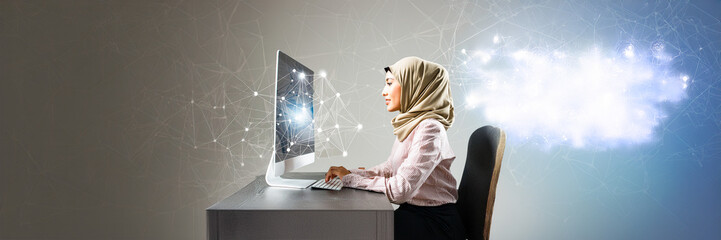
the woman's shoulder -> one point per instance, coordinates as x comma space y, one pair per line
426, 127
429, 126
430, 123
432, 129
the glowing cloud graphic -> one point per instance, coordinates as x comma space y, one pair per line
589, 99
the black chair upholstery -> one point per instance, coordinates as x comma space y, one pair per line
477, 190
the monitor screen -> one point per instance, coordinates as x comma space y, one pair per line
294, 109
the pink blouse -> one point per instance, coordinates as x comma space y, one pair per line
417, 171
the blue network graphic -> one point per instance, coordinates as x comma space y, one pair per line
613, 112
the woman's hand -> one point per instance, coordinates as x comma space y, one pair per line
336, 171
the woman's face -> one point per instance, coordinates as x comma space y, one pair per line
392, 93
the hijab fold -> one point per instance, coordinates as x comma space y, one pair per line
425, 93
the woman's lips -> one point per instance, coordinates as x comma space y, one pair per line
388, 102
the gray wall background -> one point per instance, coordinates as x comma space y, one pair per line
126, 119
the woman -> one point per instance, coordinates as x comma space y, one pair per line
417, 174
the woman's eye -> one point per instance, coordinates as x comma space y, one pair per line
389, 83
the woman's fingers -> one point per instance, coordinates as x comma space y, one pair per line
330, 174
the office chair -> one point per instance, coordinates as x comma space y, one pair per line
477, 190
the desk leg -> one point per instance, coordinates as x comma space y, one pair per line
212, 225
384, 221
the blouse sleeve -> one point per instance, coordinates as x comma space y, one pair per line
423, 157
378, 170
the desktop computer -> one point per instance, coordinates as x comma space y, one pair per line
252, 212
294, 140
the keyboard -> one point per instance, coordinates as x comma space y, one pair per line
334, 184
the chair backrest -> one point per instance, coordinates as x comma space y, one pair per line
477, 190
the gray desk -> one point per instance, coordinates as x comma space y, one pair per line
261, 212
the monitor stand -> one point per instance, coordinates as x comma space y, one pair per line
275, 180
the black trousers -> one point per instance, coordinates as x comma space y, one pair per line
417, 222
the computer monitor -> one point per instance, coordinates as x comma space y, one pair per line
294, 142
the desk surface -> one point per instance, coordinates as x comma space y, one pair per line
259, 196
261, 212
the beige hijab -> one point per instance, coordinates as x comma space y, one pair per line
425, 93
